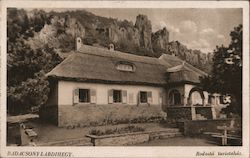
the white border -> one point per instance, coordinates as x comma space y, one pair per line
131, 151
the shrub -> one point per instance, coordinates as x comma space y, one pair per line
127, 129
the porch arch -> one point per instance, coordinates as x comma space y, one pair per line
196, 96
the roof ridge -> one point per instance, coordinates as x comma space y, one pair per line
191, 67
171, 57
188, 65
117, 54
177, 68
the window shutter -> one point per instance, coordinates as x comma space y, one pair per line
110, 96
150, 98
76, 96
124, 96
138, 98
160, 98
92, 96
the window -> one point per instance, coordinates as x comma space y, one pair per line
174, 97
84, 95
125, 66
143, 97
117, 96
177, 98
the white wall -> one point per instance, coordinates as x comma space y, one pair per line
187, 90
206, 94
66, 88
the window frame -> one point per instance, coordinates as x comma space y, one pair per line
88, 96
172, 97
140, 95
120, 94
125, 64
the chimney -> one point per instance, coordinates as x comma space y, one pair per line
78, 43
111, 47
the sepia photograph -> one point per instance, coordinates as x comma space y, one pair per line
89, 77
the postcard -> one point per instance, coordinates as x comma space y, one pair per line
124, 79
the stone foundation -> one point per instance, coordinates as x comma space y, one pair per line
190, 112
121, 139
184, 113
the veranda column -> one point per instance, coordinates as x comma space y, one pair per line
185, 100
185, 97
193, 112
213, 112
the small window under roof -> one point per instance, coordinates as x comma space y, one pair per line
125, 66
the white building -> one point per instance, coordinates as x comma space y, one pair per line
94, 85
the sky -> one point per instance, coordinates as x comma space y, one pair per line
201, 29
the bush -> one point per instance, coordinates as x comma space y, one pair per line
127, 129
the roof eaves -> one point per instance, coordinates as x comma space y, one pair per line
105, 81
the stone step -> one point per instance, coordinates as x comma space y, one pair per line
70, 142
164, 134
167, 130
170, 135
84, 144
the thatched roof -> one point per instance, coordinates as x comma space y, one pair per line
92, 64
99, 65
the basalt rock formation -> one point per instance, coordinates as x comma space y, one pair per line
135, 38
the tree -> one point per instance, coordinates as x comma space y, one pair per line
226, 75
26, 67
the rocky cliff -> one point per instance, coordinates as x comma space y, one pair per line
194, 57
144, 27
136, 38
160, 40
